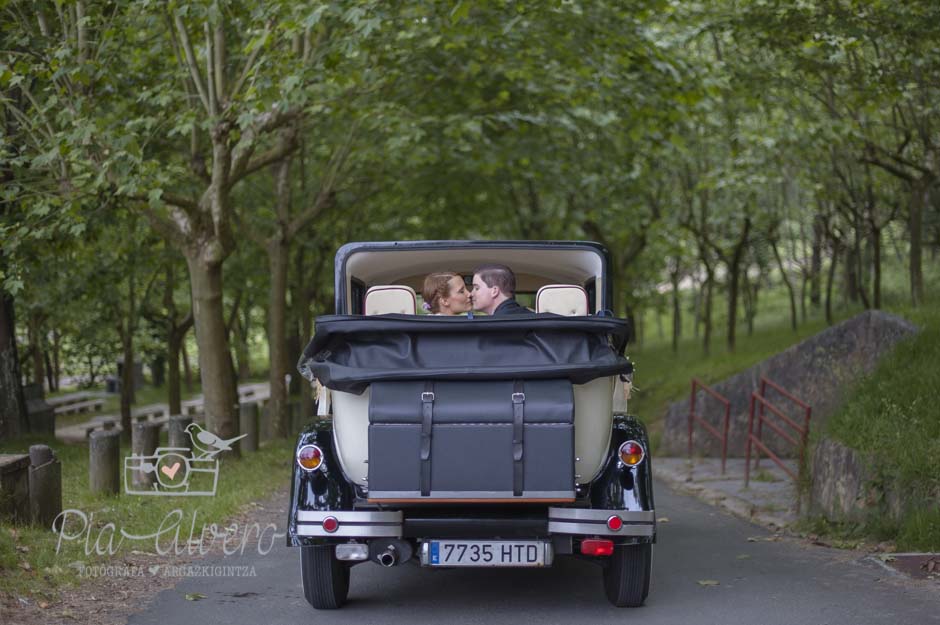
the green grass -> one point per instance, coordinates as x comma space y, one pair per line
663, 377
241, 481
894, 416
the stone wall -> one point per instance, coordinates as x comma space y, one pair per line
819, 370
847, 486
844, 485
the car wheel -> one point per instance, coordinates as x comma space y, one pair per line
326, 579
627, 575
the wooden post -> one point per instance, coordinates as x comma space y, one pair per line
178, 436
264, 428
45, 485
144, 439
104, 448
14, 488
248, 425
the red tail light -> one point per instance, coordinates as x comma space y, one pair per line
631, 453
597, 547
330, 524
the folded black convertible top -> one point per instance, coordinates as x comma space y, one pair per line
348, 352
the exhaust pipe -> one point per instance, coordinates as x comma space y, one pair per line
390, 552
389, 557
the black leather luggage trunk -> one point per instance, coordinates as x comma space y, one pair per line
471, 440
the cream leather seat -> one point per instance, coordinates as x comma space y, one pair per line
392, 298
562, 299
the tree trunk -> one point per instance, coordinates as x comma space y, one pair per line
851, 277
707, 320
127, 382
56, 358
215, 364
829, 281
303, 296
676, 308
13, 420
920, 194
734, 271
660, 333
50, 372
34, 332
174, 396
804, 286
787, 283
862, 290
242, 353
876, 266
635, 320
187, 370
750, 299
158, 370
278, 254
816, 263
733, 281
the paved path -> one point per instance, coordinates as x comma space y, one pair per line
770, 499
760, 580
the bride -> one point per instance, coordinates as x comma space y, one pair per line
445, 293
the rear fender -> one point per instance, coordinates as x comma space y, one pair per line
622, 487
325, 488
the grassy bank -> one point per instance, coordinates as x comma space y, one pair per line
663, 375
30, 564
894, 415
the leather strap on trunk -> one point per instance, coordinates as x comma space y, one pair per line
427, 420
518, 429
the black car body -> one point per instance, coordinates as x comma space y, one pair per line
471, 441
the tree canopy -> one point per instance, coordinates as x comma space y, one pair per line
195, 164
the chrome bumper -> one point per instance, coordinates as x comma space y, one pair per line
590, 522
351, 524
570, 521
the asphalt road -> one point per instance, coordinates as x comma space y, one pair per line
759, 582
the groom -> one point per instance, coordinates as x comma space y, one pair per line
494, 287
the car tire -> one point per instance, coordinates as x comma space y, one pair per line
627, 575
326, 579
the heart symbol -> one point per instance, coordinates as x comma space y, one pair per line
153, 569
170, 472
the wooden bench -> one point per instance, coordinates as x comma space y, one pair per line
147, 412
82, 406
71, 398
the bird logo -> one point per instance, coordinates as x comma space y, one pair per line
207, 443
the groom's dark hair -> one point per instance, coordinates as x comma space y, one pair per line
498, 275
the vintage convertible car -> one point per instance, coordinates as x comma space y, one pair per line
471, 441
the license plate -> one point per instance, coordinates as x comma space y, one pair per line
486, 553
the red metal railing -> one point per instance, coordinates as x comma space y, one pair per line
759, 398
693, 417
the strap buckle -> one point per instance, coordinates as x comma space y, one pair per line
518, 398
427, 396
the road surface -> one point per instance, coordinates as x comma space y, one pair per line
759, 581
